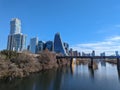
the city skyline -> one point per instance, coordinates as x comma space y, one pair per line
97, 31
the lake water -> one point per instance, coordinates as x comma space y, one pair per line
79, 77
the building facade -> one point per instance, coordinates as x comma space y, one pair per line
33, 45
49, 45
93, 53
116, 53
102, 54
71, 52
58, 45
15, 26
41, 46
66, 45
16, 40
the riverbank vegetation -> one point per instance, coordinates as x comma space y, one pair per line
13, 64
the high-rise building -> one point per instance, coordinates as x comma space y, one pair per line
16, 40
75, 53
93, 53
49, 45
116, 53
33, 45
71, 52
15, 26
28, 47
102, 54
41, 46
66, 45
79, 54
85, 54
58, 45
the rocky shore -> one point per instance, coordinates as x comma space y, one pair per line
20, 65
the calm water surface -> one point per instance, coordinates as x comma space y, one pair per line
79, 77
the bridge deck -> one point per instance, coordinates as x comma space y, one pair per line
94, 57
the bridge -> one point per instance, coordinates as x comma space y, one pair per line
90, 57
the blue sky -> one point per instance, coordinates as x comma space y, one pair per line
84, 24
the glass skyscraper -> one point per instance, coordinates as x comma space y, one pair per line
33, 45
15, 26
41, 46
58, 45
66, 45
49, 45
16, 40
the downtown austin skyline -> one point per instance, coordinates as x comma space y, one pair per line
85, 25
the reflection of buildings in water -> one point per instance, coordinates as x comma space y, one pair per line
74, 61
34, 86
97, 60
103, 63
91, 70
58, 79
45, 79
72, 69
118, 69
77, 69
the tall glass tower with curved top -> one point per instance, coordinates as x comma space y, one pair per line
58, 45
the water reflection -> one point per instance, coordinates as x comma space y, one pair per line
58, 79
72, 67
76, 77
91, 70
103, 63
118, 69
118, 74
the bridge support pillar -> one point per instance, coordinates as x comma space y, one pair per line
71, 61
118, 63
91, 63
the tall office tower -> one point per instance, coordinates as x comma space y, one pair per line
15, 26
75, 53
71, 52
116, 53
58, 45
102, 54
33, 45
41, 46
93, 53
66, 45
16, 40
49, 45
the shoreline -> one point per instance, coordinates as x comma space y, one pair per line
111, 61
14, 65
25, 64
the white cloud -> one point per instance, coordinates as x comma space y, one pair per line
109, 45
116, 38
117, 26
109, 29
